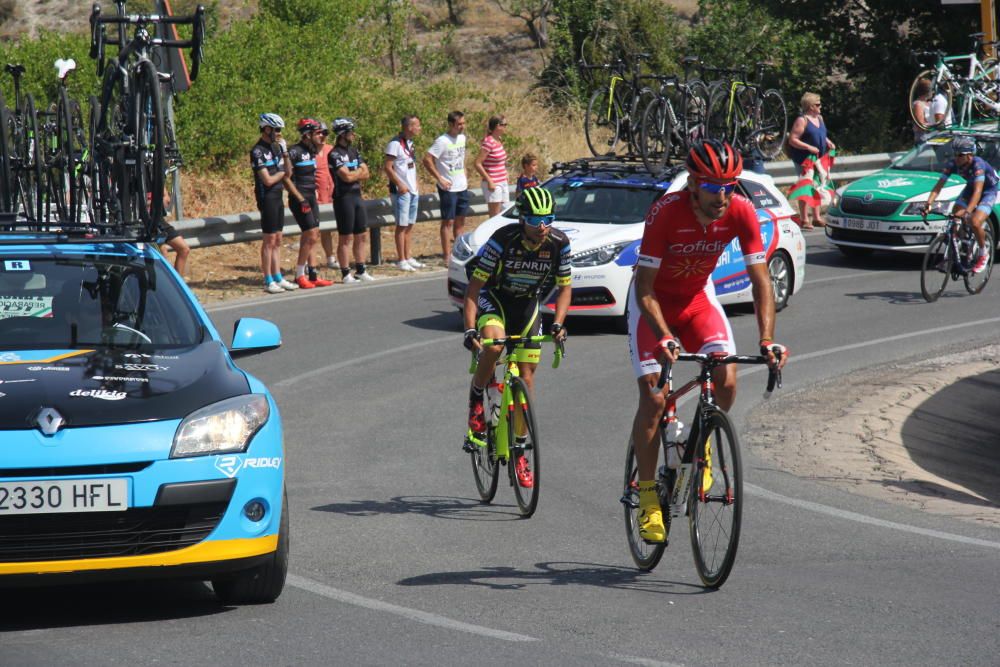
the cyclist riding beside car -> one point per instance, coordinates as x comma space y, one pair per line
517, 268
976, 200
672, 302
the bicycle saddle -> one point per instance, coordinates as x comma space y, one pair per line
64, 67
16, 70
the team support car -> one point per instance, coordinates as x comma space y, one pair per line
883, 211
601, 205
131, 446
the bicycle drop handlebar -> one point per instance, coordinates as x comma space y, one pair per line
711, 361
511, 342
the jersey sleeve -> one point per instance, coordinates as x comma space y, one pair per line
393, 149
949, 169
257, 159
338, 159
489, 258
654, 240
978, 171
564, 271
748, 230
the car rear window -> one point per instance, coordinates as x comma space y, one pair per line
92, 301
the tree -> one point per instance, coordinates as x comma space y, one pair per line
535, 14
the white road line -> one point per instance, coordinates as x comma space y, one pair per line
412, 614
645, 662
862, 518
844, 277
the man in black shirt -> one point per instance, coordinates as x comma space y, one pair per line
349, 172
267, 160
301, 186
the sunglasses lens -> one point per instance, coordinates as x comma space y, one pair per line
716, 188
539, 220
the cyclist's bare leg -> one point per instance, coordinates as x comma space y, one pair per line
528, 375
489, 355
724, 378
978, 217
645, 424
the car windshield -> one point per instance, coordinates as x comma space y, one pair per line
92, 301
933, 154
582, 201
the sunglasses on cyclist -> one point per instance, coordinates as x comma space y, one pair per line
716, 188
539, 220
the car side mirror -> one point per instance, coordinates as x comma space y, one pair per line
252, 336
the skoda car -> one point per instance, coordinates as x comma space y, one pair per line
883, 211
601, 205
131, 446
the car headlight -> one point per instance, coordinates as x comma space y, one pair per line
462, 250
600, 255
917, 207
226, 426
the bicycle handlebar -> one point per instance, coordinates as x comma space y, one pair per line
510, 342
712, 360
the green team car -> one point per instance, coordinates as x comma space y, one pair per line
883, 211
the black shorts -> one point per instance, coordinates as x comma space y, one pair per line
169, 232
350, 212
518, 316
308, 220
272, 214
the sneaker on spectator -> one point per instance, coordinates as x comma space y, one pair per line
404, 265
321, 282
367, 277
304, 282
414, 263
274, 288
284, 283
332, 263
349, 278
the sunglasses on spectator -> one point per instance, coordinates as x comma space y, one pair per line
539, 220
716, 188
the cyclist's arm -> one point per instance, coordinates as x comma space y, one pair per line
267, 179
564, 280
563, 298
471, 301
763, 299
977, 194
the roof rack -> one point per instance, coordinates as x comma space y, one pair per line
626, 165
21, 231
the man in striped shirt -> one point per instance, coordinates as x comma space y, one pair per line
492, 166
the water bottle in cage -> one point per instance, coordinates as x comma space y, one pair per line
494, 393
674, 443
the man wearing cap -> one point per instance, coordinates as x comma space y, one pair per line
349, 172
267, 160
301, 186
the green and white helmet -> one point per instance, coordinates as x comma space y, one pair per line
535, 201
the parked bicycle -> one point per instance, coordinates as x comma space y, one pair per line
979, 93
23, 150
511, 428
952, 254
701, 477
614, 110
747, 116
674, 119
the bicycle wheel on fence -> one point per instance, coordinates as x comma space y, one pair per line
655, 136
772, 124
602, 123
716, 501
151, 158
975, 282
937, 87
525, 446
694, 113
936, 268
645, 555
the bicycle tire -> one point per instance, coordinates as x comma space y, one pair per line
114, 176
7, 197
716, 514
637, 103
716, 122
35, 180
645, 555
151, 158
772, 124
936, 87
485, 466
937, 260
655, 136
976, 282
602, 123
62, 187
527, 498
694, 113
16, 154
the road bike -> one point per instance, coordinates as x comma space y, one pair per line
701, 477
952, 254
674, 120
742, 113
978, 90
614, 110
23, 149
511, 427
64, 151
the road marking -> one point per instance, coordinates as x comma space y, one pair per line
845, 277
412, 614
862, 518
645, 662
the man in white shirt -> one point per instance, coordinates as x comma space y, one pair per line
445, 160
941, 111
401, 169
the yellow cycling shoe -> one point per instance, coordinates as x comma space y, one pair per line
706, 479
651, 526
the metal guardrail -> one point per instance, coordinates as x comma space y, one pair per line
205, 232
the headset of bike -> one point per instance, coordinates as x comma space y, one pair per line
516, 269
977, 198
672, 302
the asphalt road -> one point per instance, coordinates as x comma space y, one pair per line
394, 560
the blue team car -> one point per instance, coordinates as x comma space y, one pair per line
131, 445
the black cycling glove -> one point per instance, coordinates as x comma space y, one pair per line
470, 335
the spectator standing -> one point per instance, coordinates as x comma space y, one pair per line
445, 160
349, 172
324, 192
491, 163
808, 139
922, 110
941, 115
401, 169
529, 174
300, 181
268, 158
174, 240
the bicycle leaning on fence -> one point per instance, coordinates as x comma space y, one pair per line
952, 254
511, 427
701, 477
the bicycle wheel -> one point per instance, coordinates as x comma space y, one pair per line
8, 198
527, 496
975, 282
16, 151
62, 188
645, 555
655, 135
694, 114
937, 86
33, 180
92, 171
485, 466
717, 123
115, 201
151, 158
936, 268
636, 105
602, 124
716, 501
771, 124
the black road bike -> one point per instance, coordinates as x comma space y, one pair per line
952, 254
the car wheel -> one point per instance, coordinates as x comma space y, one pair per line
262, 584
855, 253
780, 269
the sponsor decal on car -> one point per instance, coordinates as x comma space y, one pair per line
61, 369
103, 394
140, 355
144, 368
25, 306
898, 182
120, 378
230, 464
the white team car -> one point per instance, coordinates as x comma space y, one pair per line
601, 205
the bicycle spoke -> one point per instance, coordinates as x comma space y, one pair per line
523, 439
645, 555
936, 268
976, 282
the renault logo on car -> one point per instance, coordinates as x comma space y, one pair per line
49, 421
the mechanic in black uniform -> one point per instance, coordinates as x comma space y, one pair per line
349, 172
301, 186
267, 160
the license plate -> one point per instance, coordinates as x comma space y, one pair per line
77, 495
860, 223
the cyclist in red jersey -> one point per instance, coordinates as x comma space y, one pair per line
673, 297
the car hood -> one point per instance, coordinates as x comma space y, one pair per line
114, 386
896, 185
582, 235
